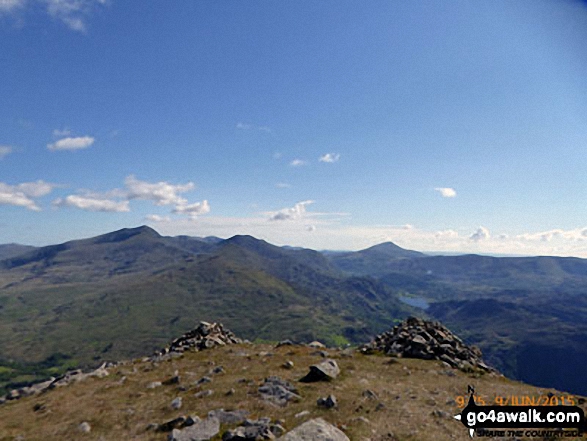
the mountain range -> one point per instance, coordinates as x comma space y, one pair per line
126, 293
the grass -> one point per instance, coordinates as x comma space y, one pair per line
410, 391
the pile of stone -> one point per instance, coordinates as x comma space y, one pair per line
429, 340
205, 336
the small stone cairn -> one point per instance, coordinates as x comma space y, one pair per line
205, 336
428, 340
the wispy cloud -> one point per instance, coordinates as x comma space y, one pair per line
446, 192
246, 126
61, 133
295, 212
7, 6
282, 185
5, 149
71, 144
157, 218
92, 204
72, 13
24, 195
297, 163
329, 157
193, 210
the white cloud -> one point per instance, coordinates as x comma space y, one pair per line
446, 192
329, 157
297, 163
577, 234
295, 212
18, 199
10, 5
446, 234
35, 189
72, 12
243, 126
482, 233
277, 155
162, 193
23, 195
93, 204
69, 143
60, 133
193, 210
282, 185
157, 218
5, 149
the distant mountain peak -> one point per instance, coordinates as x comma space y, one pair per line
245, 240
391, 249
126, 233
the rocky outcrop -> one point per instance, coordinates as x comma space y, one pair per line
315, 430
429, 340
63, 380
278, 391
254, 430
205, 336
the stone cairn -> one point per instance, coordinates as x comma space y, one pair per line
428, 340
205, 336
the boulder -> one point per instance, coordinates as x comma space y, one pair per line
315, 430
202, 430
326, 371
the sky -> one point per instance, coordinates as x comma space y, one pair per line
441, 126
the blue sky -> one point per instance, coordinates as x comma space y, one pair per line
456, 126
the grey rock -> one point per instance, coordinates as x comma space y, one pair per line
328, 403
326, 371
278, 391
204, 393
203, 430
284, 343
84, 427
171, 424
316, 345
260, 429
173, 380
176, 403
417, 338
205, 336
315, 430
